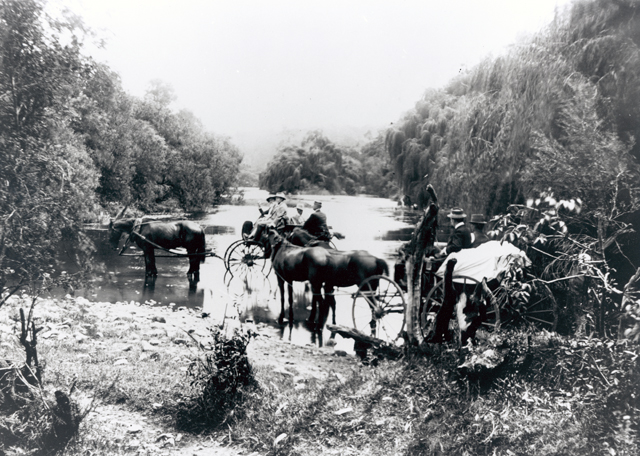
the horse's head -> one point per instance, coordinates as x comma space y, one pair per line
116, 228
270, 239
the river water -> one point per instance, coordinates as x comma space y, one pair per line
377, 225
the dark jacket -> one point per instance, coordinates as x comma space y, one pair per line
316, 225
479, 238
459, 239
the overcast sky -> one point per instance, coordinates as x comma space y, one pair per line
267, 65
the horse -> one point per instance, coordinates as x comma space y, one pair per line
348, 268
322, 267
166, 235
302, 238
295, 264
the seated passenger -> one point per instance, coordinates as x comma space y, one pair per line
298, 218
461, 236
275, 216
477, 234
316, 224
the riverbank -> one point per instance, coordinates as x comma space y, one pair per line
134, 359
553, 396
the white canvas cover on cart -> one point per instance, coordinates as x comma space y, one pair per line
485, 261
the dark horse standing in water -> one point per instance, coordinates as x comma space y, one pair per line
294, 264
321, 267
166, 235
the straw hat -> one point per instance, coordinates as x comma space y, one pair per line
281, 195
457, 213
271, 196
300, 206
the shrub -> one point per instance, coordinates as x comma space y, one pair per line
218, 378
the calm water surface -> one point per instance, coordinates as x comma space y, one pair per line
368, 223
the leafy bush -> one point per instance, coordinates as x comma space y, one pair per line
219, 378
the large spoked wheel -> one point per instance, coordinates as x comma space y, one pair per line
233, 245
245, 257
540, 311
378, 309
432, 303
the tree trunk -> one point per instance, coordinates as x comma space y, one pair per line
423, 238
363, 342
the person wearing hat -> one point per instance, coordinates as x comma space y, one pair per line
275, 216
316, 224
298, 219
478, 237
461, 236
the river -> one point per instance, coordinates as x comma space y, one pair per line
376, 225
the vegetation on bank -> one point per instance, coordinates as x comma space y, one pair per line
556, 117
319, 165
559, 111
72, 142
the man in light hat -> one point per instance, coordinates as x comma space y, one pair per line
478, 237
316, 224
275, 216
461, 236
298, 218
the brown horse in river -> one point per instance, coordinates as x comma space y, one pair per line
165, 235
294, 264
321, 267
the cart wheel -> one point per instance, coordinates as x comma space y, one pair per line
431, 305
378, 309
233, 245
246, 256
498, 300
541, 311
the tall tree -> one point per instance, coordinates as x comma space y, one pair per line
47, 179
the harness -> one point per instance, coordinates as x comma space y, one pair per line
137, 224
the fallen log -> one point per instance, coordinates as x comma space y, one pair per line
363, 342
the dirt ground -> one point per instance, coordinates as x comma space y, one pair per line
153, 328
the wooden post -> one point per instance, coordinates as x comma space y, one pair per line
423, 238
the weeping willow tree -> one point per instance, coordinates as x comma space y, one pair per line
560, 111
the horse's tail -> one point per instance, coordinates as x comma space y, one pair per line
382, 268
202, 248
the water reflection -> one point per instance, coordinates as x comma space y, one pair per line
373, 224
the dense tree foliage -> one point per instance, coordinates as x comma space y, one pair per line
317, 165
558, 115
71, 140
558, 112
47, 178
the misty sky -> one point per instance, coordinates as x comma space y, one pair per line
263, 66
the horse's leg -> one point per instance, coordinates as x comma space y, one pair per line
150, 261
330, 299
312, 316
322, 304
290, 303
281, 287
194, 267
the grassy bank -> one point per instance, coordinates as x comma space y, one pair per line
550, 396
